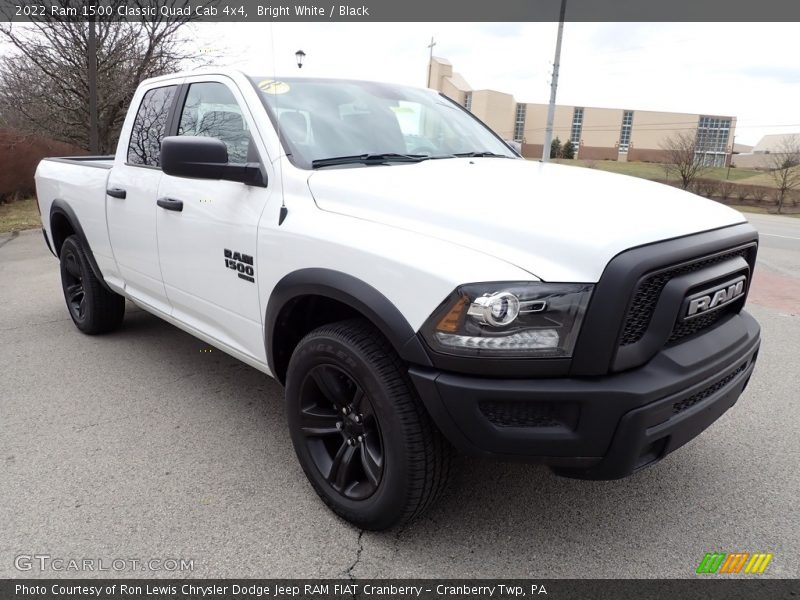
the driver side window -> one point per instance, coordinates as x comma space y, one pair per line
211, 110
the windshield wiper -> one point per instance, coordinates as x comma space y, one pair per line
368, 159
480, 154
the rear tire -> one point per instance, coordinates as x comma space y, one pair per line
360, 431
92, 307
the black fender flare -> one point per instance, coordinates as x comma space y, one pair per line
352, 292
60, 207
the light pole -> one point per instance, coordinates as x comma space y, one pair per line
551, 109
300, 55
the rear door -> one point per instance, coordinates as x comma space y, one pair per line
132, 190
207, 249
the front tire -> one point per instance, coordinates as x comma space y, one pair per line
92, 307
360, 431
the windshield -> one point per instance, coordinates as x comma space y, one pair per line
329, 122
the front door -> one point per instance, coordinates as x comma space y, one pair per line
207, 248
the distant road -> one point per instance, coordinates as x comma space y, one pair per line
776, 283
780, 242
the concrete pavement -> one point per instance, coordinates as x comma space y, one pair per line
140, 444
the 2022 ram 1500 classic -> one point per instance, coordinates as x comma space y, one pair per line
413, 283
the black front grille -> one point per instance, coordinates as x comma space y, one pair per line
689, 402
647, 293
684, 329
530, 414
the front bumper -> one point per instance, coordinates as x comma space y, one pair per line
603, 427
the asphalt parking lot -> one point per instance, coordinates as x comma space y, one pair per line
141, 445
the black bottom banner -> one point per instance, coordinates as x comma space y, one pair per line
398, 589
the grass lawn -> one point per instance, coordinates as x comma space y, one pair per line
656, 171
762, 178
19, 215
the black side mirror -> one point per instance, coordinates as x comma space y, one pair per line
206, 158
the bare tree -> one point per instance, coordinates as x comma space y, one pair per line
44, 84
684, 157
784, 166
144, 147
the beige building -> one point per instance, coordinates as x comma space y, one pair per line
596, 133
762, 155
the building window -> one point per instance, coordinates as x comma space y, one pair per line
711, 148
519, 122
468, 101
625, 132
577, 127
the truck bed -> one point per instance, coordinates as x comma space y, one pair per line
78, 184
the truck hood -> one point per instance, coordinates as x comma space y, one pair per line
558, 222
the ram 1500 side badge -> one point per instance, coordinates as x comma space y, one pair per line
241, 263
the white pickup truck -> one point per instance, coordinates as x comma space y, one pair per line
413, 282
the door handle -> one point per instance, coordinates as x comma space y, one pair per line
117, 193
170, 204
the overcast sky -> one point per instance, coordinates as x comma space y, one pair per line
747, 70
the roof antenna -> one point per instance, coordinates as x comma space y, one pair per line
284, 211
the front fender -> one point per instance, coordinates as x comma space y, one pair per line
353, 292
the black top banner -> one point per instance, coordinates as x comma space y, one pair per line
402, 10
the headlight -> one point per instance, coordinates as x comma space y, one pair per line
509, 319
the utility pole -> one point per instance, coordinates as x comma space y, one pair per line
730, 158
94, 146
551, 109
430, 60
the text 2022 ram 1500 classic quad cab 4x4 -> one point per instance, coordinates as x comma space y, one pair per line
412, 281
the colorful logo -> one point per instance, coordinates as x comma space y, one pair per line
738, 562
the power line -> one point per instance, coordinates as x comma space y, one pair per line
598, 128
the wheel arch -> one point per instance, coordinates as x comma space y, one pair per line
63, 223
308, 298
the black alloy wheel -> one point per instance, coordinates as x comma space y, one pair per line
93, 307
72, 277
359, 428
341, 432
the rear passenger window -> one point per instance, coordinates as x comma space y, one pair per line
149, 127
211, 110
